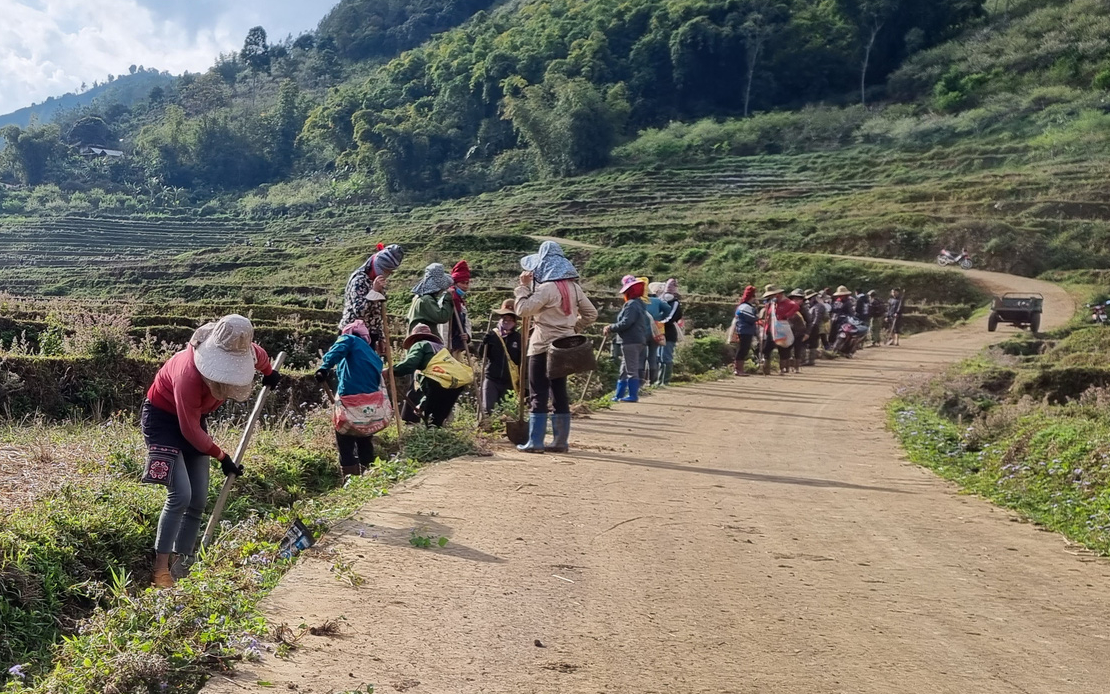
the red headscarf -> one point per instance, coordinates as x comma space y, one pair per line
748, 295
459, 273
636, 291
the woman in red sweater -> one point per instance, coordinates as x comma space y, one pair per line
218, 364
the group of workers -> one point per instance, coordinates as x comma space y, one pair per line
798, 325
221, 359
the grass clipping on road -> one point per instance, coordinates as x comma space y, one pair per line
75, 565
1026, 425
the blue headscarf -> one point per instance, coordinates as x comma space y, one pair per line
549, 264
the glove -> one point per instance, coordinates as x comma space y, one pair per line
272, 379
321, 375
229, 468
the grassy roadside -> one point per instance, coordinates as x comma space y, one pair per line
1025, 424
75, 564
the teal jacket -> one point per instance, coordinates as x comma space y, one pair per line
357, 365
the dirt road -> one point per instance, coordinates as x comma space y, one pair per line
757, 535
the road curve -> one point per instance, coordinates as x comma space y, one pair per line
759, 535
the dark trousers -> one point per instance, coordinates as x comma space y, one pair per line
354, 451
651, 366
769, 348
544, 388
493, 391
744, 348
799, 349
436, 403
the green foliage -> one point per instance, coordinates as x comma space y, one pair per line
569, 123
701, 354
84, 552
33, 152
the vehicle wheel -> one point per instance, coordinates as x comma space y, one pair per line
965, 264
992, 322
1035, 324
942, 261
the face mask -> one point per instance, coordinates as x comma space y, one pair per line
461, 292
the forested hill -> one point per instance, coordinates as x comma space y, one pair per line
114, 93
535, 89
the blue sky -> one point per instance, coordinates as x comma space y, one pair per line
49, 47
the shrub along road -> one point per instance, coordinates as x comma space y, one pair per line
752, 535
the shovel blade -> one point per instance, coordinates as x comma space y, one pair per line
517, 432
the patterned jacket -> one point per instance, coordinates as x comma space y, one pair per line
358, 305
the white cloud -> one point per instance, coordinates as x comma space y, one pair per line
49, 47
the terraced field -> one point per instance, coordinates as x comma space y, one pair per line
82, 241
718, 225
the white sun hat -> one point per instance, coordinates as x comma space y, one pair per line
223, 351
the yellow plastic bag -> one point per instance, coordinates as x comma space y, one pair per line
448, 371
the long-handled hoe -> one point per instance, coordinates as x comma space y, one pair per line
248, 432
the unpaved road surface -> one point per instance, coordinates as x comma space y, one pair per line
756, 535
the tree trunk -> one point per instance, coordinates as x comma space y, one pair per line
753, 57
866, 60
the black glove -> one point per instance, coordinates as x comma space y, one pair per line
228, 466
321, 375
272, 379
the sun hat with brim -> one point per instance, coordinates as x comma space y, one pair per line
657, 288
628, 281
419, 334
508, 308
810, 293
798, 293
842, 291
224, 351
771, 290
435, 280
550, 264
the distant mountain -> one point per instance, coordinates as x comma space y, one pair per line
125, 89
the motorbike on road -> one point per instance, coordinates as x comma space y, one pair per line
947, 257
850, 336
1098, 313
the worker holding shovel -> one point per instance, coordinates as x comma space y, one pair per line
218, 364
456, 331
550, 295
502, 364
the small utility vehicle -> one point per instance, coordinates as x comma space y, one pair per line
1018, 309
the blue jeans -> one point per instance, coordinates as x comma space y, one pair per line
179, 524
666, 353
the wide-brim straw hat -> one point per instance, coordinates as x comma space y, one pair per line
628, 282
810, 293
508, 308
771, 290
435, 280
420, 332
842, 291
224, 351
798, 293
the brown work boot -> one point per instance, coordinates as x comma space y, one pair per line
162, 579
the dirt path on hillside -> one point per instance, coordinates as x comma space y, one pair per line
570, 243
759, 535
